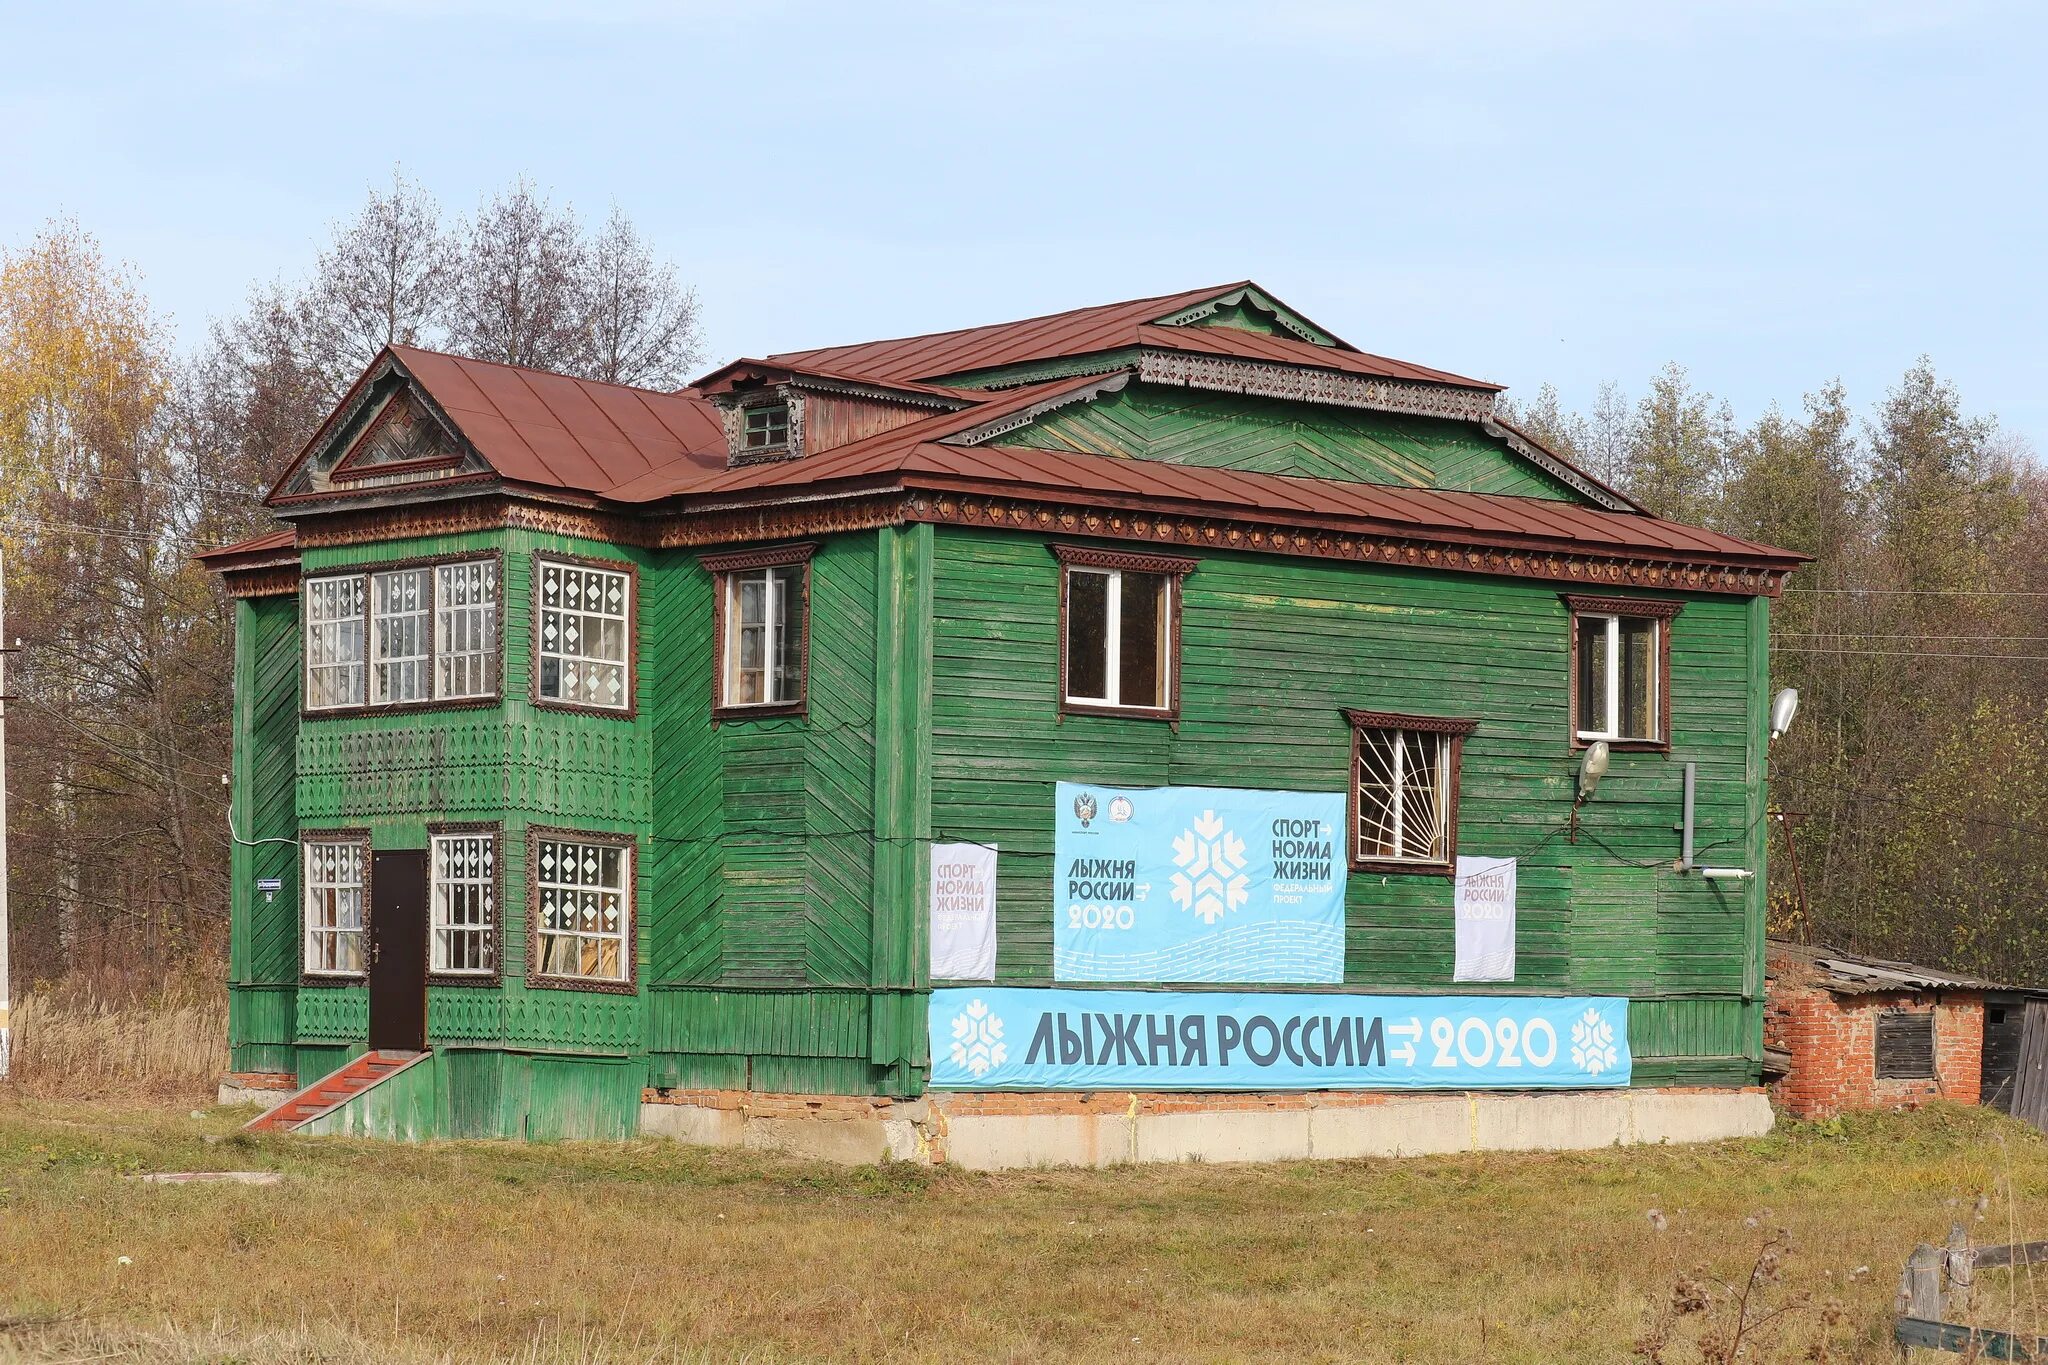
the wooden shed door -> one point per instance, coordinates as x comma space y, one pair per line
398, 950
2030, 1086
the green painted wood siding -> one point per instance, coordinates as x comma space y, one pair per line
1271, 649
263, 959
1267, 436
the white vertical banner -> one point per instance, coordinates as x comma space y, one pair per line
963, 908
1486, 920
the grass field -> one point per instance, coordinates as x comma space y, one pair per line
647, 1250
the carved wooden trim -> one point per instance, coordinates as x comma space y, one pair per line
1094, 557
722, 567
496, 975
1663, 609
630, 948
271, 580
1396, 720
1269, 379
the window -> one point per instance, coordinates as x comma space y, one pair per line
766, 428
398, 636
466, 629
1620, 651
761, 623
463, 902
334, 641
402, 636
1905, 1045
1404, 790
584, 625
582, 911
1119, 630
334, 907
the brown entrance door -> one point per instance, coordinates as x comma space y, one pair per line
398, 950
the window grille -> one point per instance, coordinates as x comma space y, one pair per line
465, 892
1403, 805
582, 635
398, 636
583, 910
334, 908
466, 629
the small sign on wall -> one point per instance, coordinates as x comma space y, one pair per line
1486, 920
269, 886
963, 908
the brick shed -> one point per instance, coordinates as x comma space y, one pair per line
1863, 1033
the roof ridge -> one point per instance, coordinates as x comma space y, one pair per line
401, 348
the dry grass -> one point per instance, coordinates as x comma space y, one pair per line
80, 1040
591, 1252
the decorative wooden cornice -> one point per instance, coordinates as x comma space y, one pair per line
269, 580
768, 557
1092, 557
1158, 526
1263, 379
1550, 464
1661, 609
1396, 720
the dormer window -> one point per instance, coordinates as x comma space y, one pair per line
766, 429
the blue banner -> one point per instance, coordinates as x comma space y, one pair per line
1198, 884
1019, 1038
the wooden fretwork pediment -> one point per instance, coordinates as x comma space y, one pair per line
392, 439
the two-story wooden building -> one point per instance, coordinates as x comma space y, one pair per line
592, 745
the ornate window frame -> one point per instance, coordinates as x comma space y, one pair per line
308, 974
496, 831
1175, 569
631, 572
431, 702
722, 568
1452, 732
1661, 610
629, 947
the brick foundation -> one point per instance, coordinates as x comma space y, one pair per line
1832, 1041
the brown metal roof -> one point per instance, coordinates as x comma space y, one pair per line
275, 545
1083, 331
554, 431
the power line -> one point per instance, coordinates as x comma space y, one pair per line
1901, 635
1918, 592
1902, 654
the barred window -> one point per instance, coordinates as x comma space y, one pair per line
466, 629
334, 907
335, 639
1404, 789
583, 635
398, 636
582, 908
464, 902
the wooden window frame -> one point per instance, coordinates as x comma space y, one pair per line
751, 411
431, 702
1663, 611
309, 975
1453, 730
1175, 569
632, 661
629, 947
496, 975
722, 567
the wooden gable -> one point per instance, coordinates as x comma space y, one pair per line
385, 435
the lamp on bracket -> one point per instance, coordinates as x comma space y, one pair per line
1592, 767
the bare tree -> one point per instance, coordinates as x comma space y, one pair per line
382, 279
642, 322
518, 277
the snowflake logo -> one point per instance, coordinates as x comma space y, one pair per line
1593, 1048
1211, 881
978, 1039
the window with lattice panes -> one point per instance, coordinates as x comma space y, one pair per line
333, 880
466, 629
463, 903
1404, 790
399, 604
582, 635
766, 428
582, 909
335, 640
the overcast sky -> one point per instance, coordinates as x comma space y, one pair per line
1772, 194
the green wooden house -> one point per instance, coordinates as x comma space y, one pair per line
591, 743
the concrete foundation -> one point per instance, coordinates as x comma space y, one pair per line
993, 1132
267, 1089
